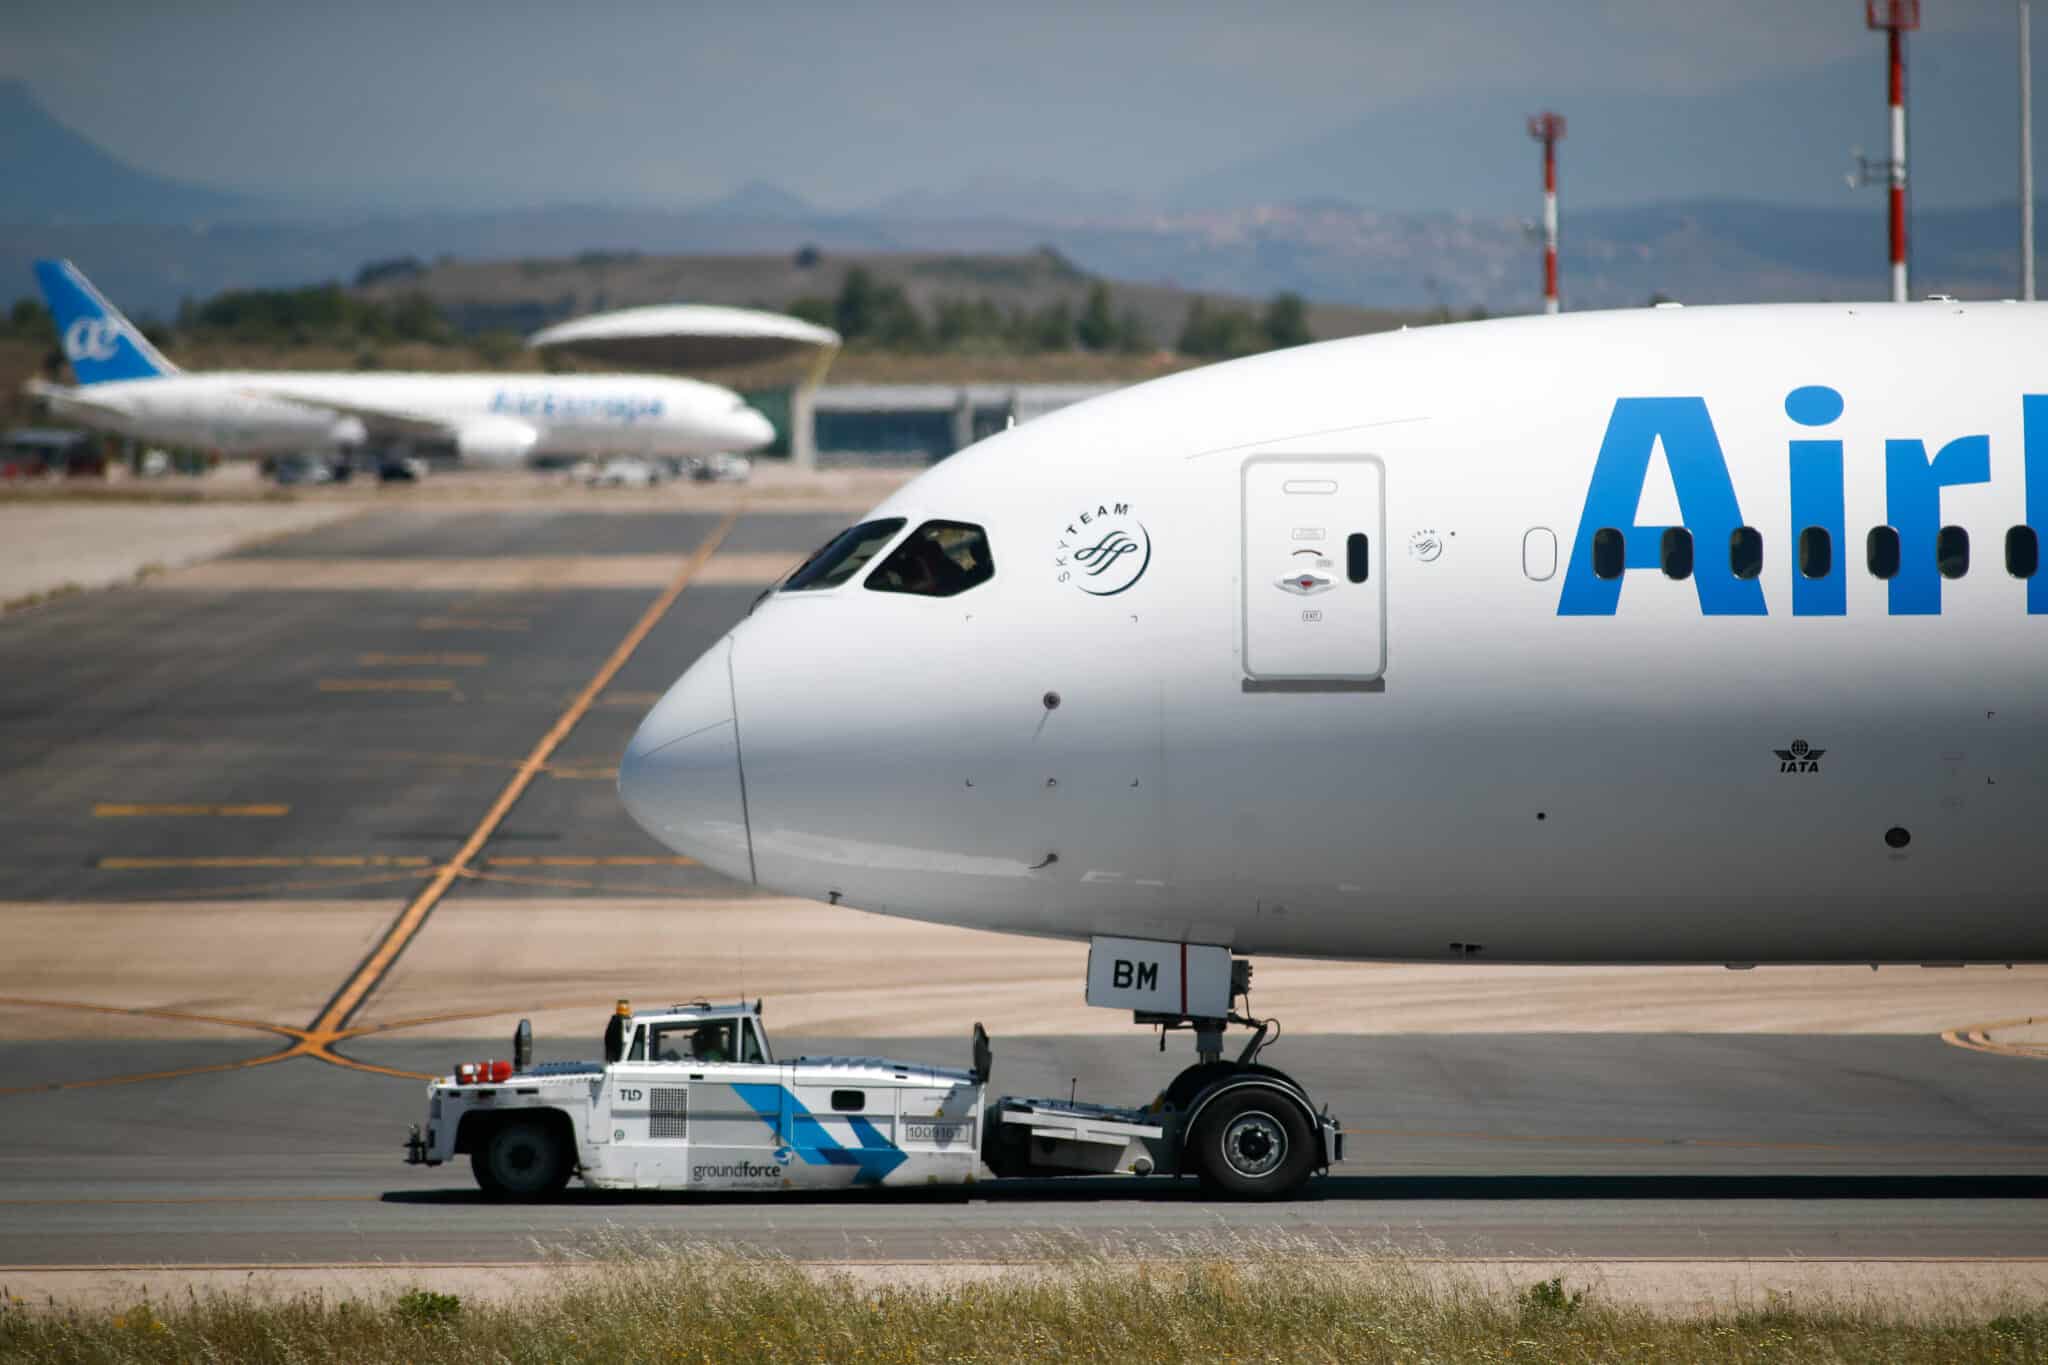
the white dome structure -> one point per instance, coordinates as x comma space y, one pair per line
687, 337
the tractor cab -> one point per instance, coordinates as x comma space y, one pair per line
698, 1033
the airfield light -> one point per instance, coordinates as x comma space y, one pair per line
1896, 18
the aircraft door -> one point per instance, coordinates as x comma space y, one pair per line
1314, 568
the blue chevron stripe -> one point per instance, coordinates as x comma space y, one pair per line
808, 1138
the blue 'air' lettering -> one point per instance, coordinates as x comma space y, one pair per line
1682, 428
1706, 502
1912, 505
1817, 497
2034, 408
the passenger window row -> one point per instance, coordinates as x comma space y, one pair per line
1816, 552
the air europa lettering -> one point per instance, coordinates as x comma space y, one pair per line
1707, 504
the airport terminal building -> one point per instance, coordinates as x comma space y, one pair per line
911, 424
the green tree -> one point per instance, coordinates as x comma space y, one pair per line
815, 308
855, 312
414, 317
1218, 332
1051, 328
1133, 337
1096, 328
898, 324
28, 320
874, 311
1286, 321
957, 322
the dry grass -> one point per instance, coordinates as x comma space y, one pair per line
692, 1304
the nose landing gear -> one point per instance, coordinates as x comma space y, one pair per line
1250, 1130
1244, 1129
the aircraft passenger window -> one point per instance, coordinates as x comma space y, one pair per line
1607, 553
1357, 557
845, 556
1816, 552
1952, 551
938, 559
1881, 551
2022, 552
1674, 553
1745, 552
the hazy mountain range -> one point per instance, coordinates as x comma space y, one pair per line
1383, 239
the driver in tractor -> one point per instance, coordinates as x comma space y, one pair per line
707, 1044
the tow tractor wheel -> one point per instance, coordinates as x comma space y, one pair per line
521, 1159
1252, 1144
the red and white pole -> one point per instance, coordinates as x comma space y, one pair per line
1898, 166
1895, 17
1547, 128
1549, 226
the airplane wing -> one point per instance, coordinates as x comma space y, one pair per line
486, 439
376, 417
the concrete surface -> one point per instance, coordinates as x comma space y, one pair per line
217, 796
59, 546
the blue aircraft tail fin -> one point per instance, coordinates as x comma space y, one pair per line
100, 343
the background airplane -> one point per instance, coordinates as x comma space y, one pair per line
125, 385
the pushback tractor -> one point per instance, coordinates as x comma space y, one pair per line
692, 1097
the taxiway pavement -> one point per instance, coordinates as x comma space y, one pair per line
259, 805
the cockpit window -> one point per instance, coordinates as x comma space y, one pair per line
938, 559
846, 556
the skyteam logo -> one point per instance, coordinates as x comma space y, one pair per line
1104, 550
91, 339
1916, 468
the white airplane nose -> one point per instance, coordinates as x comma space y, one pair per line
753, 431
680, 777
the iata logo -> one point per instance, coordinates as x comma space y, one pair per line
1800, 758
91, 339
1103, 551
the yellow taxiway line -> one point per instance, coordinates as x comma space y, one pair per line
442, 685
114, 810
318, 1039
485, 623
574, 860
261, 860
422, 660
288, 860
1983, 1038
357, 988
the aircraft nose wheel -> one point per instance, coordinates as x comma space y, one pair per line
1254, 1144
1249, 1146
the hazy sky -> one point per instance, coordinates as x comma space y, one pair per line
514, 103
